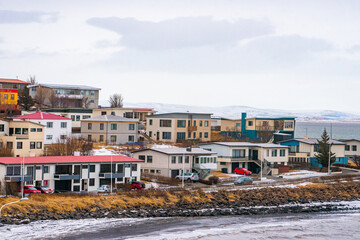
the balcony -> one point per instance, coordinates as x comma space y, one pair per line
66, 176
299, 154
237, 159
192, 128
114, 175
18, 178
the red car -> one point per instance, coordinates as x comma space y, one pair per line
44, 190
242, 171
29, 190
137, 185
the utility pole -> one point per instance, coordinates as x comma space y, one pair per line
183, 173
111, 187
329, 171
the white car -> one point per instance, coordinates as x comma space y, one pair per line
189, 177
104, 189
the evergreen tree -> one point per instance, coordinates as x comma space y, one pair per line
25, 100
322, 151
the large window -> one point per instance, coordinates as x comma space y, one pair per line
166, 135
113, 126
49, 124
13, 171
142, 157
274, 153
101, 126
165, 123
181, 123
289, 125
180, 135
354, 148
149, 159
113, 138
173, 159
89, 126
282, 152
131, 138
238, 153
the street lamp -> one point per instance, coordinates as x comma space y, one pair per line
22, 199
183, 173
329, 171
111, 188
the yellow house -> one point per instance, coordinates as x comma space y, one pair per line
24, 138
179, 127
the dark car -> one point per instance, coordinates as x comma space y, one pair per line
137, 185
243, 180
44, 190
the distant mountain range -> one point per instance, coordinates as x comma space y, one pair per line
234, 112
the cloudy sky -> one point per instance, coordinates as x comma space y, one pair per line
267, 54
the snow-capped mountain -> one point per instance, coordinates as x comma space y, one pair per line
234, 112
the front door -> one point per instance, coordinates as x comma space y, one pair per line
84, 185
174, 173
255, 154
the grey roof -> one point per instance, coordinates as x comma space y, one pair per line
176, 150
179, 114
313, 141
348, 140
110, 118
66, 86
245, 144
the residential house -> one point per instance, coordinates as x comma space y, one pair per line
56, 127
131, 113
110, 129
258, 129
70, 173
248, 155
302, 150
179, 127
69, 96
352, 147
9, 90
24, 138
170, 162
6, 83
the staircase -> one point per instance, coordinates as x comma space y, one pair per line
203, 173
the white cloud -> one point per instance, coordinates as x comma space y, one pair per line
16, 17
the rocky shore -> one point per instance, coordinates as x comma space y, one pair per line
312, 198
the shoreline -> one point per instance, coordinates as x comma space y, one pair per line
305, 199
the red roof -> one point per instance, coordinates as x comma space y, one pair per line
6, 80
67, 159
42, 115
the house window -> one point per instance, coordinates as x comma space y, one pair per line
86, 116
250, 123
238, 153
2, 128
354, 147
152, 170
189, 134
25, 131
158, 171
131, 126
62, 137
142, 157
173, 159
194, 123
180, 159
45, 169
200, 123
73, 118
103, 113
113, 126
347, 147
5, 96
149, 159
63, 124
32, 145
89, 126
206, 134
38, 145
12, 97
113, 113
101, 139
282, 152
92, 182
49, 137
18, 131
92, 168
49, 124
134, 166
150, 122
77, 117
19, 145
150, 133
113, 138
165, 123
206, 123
180, 135
223, 163
9, 145
289, 125
101, 126
181, 123
274, 152
39, 129
32, 129
13, 171
194, 134
187, 159
166, 135
131, 138
238, 125
89, 137
200, 134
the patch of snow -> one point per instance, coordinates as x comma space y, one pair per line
103, 151
302, 174
163, 146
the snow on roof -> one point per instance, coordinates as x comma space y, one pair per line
67, 159
42, 115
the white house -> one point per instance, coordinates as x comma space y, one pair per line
70, 173
56, 127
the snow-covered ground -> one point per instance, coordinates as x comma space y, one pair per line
302, 174
163, 146
58, 228
103, 151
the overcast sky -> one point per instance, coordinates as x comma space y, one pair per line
266, 54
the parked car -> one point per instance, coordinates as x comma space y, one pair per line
44, 190
189, 177
104, 189
137, 185
29, 190
242, 171
243, 180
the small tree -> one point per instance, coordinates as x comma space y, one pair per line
85, 102
322, 151
41, 94
53, 98
32, 80
116, 100
356, 160
25, 100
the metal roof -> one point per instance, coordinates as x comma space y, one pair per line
313, 141
66, 86
177, 151
109, 118
245, 144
